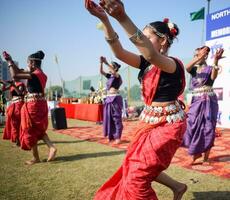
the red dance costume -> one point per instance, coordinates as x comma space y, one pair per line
34, 115
13, 115
152, 149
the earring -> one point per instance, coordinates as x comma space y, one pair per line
161, 50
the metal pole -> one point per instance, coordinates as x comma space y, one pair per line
202, 34
59, 71
80, 87
63, 88
208, 10
50, 93
101, 77
129, 98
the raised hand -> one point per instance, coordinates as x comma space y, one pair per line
95, 10
114, 8
103, 60
219, 54
202, 53
6, 56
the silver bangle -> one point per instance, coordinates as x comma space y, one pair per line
136, 37
113, 39
216, 67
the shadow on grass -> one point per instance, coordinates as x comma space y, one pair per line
211, 195
71, 127
85, 156
80, 127
63, 142
220, 158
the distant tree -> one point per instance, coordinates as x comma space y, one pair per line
52, 91
135, 92
123, 93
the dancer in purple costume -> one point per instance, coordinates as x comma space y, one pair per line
112, 113
202, 115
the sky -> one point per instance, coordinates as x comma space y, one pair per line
66, 29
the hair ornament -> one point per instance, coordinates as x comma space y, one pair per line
166, 20
171, 27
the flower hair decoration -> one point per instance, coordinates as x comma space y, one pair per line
171, 27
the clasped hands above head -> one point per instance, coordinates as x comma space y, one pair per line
114, 8
103, 59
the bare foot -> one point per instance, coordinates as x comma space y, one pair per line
52, 154
178, 193
33, 161
14, 145
117, 141
207, 162
206, 156
18, 142
195, 157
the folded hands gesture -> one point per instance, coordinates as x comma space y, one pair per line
115, 8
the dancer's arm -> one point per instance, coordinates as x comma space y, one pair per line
215, 69
20, 89
101, 66
110, 66
13, 68
197, 57
9, 84
113, 72
116, 9
111, 36
5, 86
15, 72
18, 73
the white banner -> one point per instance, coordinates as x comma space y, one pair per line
222, 82
218, 36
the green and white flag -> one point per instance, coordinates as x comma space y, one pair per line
197, 15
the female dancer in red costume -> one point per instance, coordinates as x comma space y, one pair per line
13, 112
34, 113
163, 122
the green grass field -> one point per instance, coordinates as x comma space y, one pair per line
79, 170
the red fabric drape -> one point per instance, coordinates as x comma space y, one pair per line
42, 77
149, 84
34, 117
150, 153
182, 76
17, 84
151, 79
13, 121
7, 129
34, 123
87, 112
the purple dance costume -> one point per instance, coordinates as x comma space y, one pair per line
202, 115
112, 113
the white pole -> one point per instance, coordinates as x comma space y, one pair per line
202, 34
59, 71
